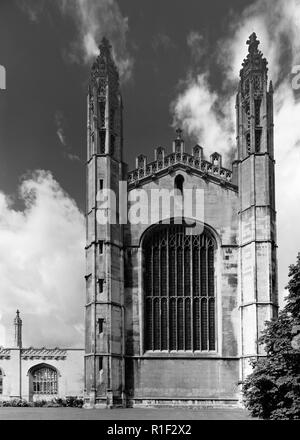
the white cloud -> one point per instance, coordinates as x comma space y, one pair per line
201, 113
197, 106
93, 19
277, 25
42, 264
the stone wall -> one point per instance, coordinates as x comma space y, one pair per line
210, 375
68, 363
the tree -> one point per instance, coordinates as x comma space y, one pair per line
272, 390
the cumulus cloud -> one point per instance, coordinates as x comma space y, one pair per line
202, 114
42, 264
93, 20
197, 106
206, 115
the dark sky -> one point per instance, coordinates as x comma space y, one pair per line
40, 82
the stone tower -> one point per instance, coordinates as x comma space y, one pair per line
257, 216
104, 357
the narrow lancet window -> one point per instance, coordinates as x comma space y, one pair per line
179, 183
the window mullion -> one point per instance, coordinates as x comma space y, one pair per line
152, 298
191, 292
153, 323
176, 323
207, 291
168, 292
152, 271
200, 293
183, 288
159, 291
175, 283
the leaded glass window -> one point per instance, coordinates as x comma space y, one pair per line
179, 290
44, 381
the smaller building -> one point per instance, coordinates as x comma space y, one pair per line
39, 373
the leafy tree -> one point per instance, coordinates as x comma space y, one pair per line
272, 390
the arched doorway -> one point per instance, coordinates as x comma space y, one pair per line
179, 289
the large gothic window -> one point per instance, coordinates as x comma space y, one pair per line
179, 290
44, 380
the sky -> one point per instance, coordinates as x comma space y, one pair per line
179, 63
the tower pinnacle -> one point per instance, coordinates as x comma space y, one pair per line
105, 45
254, 60
179, 133
253, 43
18, 330
104, 67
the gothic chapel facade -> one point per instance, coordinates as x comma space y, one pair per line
172, 317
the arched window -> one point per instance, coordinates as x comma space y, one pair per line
179, 183
44, 380
179, 289
1, 382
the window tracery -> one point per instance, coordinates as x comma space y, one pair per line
179, 290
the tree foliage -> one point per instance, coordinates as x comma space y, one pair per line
272, 390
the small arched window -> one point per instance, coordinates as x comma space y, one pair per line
44, 380
179, 183
1, 382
